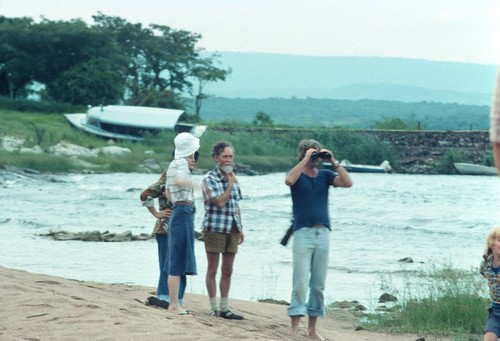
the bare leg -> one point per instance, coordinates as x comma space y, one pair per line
496, 154
295, 325
311, 328
226, 272
173, 288
490, 336
213, 264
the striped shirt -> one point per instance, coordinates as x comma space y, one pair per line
178, 170
220, 219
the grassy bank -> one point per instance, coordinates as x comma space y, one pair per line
262, 151
440, 301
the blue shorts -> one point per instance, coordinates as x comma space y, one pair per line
493, 322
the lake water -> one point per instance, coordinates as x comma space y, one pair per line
381, 219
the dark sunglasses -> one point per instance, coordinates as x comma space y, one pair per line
196, 156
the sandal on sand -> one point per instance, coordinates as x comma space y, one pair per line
185, 313
230, 315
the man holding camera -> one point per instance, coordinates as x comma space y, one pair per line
311, 225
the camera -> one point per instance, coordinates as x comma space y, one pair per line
321, 155
287, 236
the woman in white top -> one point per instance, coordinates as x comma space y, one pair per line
179, 190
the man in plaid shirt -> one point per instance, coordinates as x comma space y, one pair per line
222, 228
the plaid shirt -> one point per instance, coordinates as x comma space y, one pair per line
157, 190
178, 169
220, 219
493, 279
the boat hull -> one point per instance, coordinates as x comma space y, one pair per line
130, 123
364, 169
384, 167
473, 169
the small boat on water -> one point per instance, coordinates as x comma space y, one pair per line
131, 122
384, 167
474, 169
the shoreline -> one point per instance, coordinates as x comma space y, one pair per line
42, 307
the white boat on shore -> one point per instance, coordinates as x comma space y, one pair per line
474, 169
131, 122
384, 167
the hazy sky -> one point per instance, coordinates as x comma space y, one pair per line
449, 30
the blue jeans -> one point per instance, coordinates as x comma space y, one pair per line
162, 290
311, 248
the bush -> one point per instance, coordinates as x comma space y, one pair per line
440, 301
26, 105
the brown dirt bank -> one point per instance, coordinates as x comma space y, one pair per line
42, 307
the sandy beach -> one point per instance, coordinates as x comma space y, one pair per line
41, 307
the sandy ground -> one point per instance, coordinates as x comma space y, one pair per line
41, 307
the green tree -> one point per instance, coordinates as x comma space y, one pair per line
159, 57
205, 72
95, 82
162, 59
61, 45
86, 64
262, 119
41, 52
16, 59
154, 98
391, 123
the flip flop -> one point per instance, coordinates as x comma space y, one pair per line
185, 313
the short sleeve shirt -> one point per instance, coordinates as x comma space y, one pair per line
310, 199
179, 170
217, 219
493, 278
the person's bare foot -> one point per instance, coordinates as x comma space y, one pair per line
181, 312
295, 325
314, 334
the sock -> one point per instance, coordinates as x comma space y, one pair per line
213, 303
224, 304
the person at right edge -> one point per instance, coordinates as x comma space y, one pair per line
490, 269
222, 227
495, 123
311, 236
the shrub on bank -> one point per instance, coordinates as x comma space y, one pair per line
439, 301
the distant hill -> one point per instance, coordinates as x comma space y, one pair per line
260, 75
310, 112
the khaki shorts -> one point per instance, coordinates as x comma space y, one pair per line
220, 242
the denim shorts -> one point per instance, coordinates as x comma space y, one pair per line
493, 322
